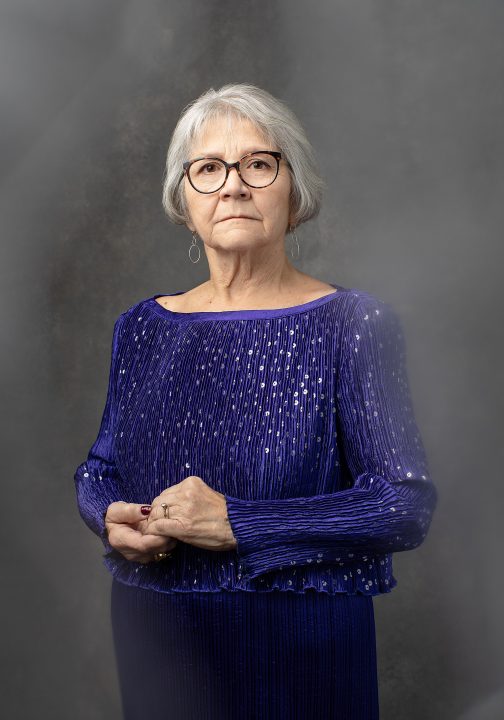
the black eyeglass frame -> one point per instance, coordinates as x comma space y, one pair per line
274, 153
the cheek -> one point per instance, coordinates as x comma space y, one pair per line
278, 206
283, 197
199, 207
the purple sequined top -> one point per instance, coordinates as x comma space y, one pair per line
301, 416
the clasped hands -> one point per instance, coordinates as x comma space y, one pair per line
197, 516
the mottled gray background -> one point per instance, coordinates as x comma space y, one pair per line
403, 101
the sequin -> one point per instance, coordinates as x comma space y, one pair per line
302, 418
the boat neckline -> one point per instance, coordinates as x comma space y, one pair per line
239, 314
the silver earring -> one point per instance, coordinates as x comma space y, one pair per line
194, 244
293, 232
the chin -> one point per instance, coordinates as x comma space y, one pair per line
238, 235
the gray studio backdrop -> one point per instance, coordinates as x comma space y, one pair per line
403, 102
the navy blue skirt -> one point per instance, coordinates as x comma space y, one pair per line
223, 655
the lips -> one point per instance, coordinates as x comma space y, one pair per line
238, 217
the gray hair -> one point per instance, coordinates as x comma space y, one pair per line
276, 122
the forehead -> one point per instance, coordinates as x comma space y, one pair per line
229, 136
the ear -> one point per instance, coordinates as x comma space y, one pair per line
189, 223
185, 211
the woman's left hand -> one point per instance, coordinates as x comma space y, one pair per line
197, 515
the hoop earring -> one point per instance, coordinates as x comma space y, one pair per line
293, 232
194, 244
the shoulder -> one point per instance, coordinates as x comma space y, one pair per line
371, 323
133, 312
130, 317
366, 306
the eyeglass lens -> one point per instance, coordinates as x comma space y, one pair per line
257, 170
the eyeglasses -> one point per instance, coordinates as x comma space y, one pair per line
257, 169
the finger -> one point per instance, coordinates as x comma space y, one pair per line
124, 512
167, 546
124, 537
149, 557
158, 512
165, 527
171, 496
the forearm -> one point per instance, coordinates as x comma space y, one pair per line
373, 517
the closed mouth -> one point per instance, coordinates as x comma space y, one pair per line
238, 217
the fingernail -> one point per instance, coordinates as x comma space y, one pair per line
145, 509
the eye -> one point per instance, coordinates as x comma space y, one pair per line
256, 164
207, 168
260, 163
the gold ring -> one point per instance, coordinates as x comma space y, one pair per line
165, 508
161, 556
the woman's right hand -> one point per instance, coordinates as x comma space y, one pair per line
125, 527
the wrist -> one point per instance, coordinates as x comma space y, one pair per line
232, 540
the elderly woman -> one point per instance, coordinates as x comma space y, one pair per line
258, 460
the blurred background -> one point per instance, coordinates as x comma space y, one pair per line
404, 104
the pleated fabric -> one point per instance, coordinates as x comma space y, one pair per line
269, 656
301, 417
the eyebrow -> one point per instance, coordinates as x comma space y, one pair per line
214, 153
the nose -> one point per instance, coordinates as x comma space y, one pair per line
234, 185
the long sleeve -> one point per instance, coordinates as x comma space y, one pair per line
390, 504
97, 480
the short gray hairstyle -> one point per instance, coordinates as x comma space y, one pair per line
276, 122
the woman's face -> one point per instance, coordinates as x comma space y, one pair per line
267, 209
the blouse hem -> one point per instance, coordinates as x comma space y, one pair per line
136, 574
